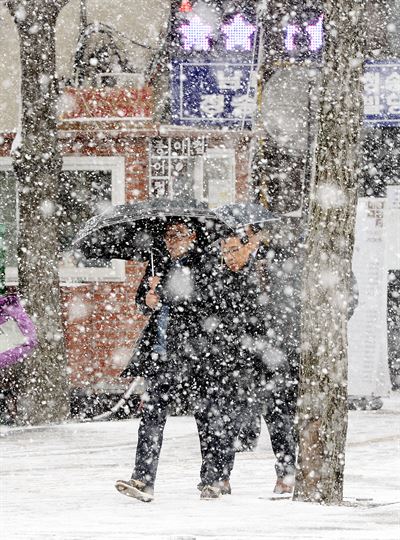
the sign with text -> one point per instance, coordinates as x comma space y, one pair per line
367, 329
118, 103
213, 94
169, 163
382, 93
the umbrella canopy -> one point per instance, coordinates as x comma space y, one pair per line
136, 230
238, 215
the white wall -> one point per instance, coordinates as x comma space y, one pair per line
9, 72
139, 20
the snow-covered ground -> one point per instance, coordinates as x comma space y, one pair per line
58, 484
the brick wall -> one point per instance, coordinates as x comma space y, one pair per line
242, 153
102, 322
102, 325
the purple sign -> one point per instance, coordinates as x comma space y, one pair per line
313, 30
238, 34
17, 331
197, 34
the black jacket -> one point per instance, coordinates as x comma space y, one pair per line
180, 292
280, 272
233, 337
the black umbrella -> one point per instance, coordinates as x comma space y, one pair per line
238, 215
136, 230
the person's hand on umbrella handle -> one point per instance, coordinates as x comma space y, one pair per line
152, 298
153, 282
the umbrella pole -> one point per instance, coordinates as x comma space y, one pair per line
136, 383
152, 263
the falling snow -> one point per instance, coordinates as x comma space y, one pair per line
199, 217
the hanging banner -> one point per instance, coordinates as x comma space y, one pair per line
169, 159
392, 227
367, 330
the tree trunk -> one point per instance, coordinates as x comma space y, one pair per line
322, 406
37, 163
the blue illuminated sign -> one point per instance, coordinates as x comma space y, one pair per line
382, 93
213, 94
211, 77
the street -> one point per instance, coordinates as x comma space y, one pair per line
58, 484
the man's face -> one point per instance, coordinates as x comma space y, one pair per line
235, 254
179, 239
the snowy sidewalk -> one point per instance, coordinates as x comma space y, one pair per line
58, 484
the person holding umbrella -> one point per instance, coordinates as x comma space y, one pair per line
165, 354
171, 236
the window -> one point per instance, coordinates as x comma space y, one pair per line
107, 58
219, 177
88, 186
184, 168
172, 166
379, 160
100, 57
8, 213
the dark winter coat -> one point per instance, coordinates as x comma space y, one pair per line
233, 334
280, 273
179, 292
280, 268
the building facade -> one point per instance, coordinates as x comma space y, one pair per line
119, 146
164, 99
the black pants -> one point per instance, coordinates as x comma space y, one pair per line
217, 424
280, 422
159, 396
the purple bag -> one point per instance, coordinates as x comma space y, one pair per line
17, 331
